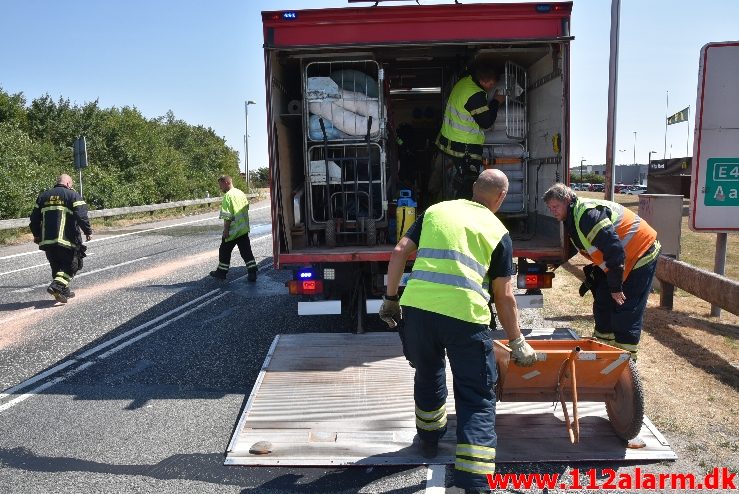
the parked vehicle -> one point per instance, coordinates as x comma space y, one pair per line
597, 188
340, 156
580, 186
636, 190
620, 188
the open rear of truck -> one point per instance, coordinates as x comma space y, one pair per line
355, 99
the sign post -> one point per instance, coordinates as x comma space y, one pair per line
714, 200
80, 157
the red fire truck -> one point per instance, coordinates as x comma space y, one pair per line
355, 99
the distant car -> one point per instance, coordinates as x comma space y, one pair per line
596, 188
635, 190
581, 186
620, 188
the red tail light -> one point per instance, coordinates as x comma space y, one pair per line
305, 287
532, 281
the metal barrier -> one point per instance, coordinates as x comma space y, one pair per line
105, 213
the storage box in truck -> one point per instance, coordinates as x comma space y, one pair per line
355, 99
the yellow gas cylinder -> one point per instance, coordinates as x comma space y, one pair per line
405, 213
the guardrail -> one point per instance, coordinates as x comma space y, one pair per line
105, 213
718, 290
711, 287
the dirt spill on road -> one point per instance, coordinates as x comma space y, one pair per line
17, 324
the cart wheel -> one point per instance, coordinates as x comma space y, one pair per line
371, 231
330, 234
626, 409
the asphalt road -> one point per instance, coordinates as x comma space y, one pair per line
136, 385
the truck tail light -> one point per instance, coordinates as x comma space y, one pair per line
532, 281
305, 287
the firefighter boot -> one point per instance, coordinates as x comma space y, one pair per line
429, 449
251, 274
219, 274
67, 292
57, 291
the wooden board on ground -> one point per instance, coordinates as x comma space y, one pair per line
347, 399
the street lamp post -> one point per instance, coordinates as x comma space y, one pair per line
246, 140
650, 156
581, 161
634, 147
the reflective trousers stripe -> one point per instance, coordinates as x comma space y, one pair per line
433, 420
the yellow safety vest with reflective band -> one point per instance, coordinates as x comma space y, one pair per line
457, 241
459, 124
235, 208
635, 234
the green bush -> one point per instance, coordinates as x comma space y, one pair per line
132, 160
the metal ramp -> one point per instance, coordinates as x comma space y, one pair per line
347, 399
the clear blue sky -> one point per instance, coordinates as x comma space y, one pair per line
202, 60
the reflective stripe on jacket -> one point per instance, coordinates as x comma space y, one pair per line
57, 217
459, 124
635, 234
235, 208
457, 242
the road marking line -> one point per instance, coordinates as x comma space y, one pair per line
126, 234
24, 269
82, 275
87, 363
435, 479
145, 325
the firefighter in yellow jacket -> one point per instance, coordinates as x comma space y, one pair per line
56, 220
459, 245
468, 113
623, 250
235, 216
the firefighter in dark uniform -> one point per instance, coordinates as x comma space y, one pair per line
462, 135
56, 220
459, 244
623, 249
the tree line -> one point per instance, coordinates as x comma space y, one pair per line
132, 160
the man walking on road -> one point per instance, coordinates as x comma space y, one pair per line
459, 244
623, 250
235, 216
56, 220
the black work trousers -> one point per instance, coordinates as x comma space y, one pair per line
60, 259
427, 337
226, 249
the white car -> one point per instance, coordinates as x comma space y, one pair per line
635, 190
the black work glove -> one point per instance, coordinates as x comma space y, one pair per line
390, 312
593, 276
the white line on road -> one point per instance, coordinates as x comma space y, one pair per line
127, 234
435, 479
87, 363
24, 269
82, 275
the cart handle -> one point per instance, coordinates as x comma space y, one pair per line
573, 428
